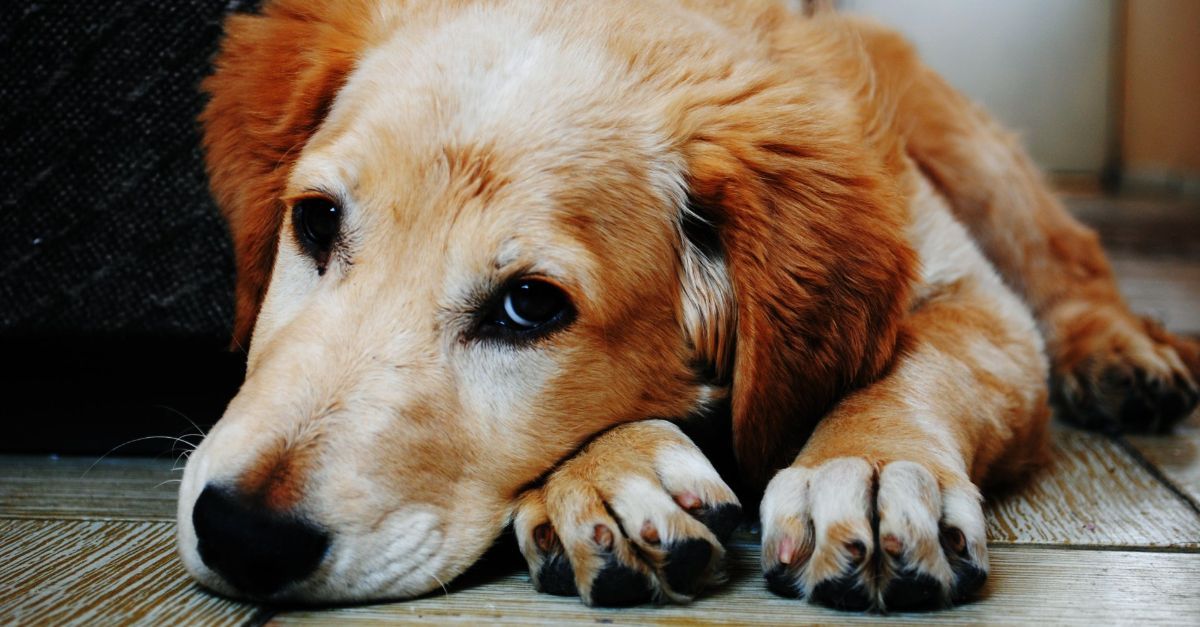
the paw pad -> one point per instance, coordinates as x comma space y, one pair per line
843, 593
556, 577
687, 565
618, 585
721, 519
911, 590
782, 582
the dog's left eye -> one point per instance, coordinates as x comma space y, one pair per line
317, 222
529, 306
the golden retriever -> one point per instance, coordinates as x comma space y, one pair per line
493, 255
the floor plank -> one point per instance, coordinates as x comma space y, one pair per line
1166, 290
1177, 455
105, 572
1092, 493
80, 488
1028, 585
101, 572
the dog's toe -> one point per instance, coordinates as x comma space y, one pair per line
851, 537
635, 529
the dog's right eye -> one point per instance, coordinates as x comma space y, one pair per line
527, 309
317, 222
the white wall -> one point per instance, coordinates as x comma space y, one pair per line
1041, 66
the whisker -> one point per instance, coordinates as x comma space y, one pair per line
184, 416
445, 591
185, 455
133, 441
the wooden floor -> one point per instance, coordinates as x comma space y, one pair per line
1108, 533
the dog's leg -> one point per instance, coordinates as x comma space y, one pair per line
1111, 369
639, 513
881, 508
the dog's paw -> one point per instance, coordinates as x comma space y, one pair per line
1114, 372
848, 536
638, 515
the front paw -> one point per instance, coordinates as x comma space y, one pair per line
845, 535
639, 514
1114, 372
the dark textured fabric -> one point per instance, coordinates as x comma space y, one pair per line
116, 273
106, 225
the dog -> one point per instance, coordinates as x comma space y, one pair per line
605, 272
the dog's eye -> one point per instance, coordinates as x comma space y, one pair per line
530, 306
317, 222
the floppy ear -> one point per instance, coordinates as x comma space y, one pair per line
274, 80
810, 229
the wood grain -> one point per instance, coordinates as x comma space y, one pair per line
101, 572
80, 488
1028, 585
1176, 456
1092, 493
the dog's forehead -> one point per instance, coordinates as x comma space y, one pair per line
526, 148
527, 96
513, 86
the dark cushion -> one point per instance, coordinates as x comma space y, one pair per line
116, 264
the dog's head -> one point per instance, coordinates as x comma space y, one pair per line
469, 239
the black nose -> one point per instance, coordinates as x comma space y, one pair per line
257, 550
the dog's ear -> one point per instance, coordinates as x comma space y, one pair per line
805, 220
274, 80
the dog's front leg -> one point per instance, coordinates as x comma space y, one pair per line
638, 514
881, 507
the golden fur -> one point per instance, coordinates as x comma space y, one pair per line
789, 215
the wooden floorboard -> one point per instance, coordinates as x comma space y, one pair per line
1028, 585
84, 488
95, 572
1175, 456
1092, 493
